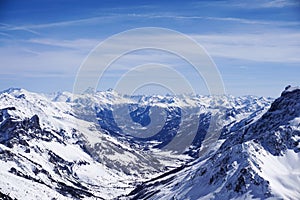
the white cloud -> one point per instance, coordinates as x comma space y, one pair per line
271, 47
53, 24
247, 4
32, 28
228, 19
8, 27
277, 3
280, 47
259, 22
79, 44
26, 62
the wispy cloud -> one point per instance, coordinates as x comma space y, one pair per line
79, 44
260, 22
249, 4
8, 27
272, 47
228, 19
25, 61
65, 23
267, 47
275, 3
33, 28
5, 34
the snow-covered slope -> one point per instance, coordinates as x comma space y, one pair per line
45, 146
157, 121
261, 160
82, 146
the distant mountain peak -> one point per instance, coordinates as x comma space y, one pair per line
89, 90
12, 90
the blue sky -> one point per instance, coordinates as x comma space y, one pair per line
255, 44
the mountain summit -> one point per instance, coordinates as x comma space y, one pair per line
260, 160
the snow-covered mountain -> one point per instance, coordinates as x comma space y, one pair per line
261, 160
105, 145
45, 146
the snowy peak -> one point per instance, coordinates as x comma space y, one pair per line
279, 128
12, 90
75, 146
289, 88
259, 160
45, 146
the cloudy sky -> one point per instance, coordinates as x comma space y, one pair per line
255, 44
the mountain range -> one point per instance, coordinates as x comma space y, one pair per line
105, 145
